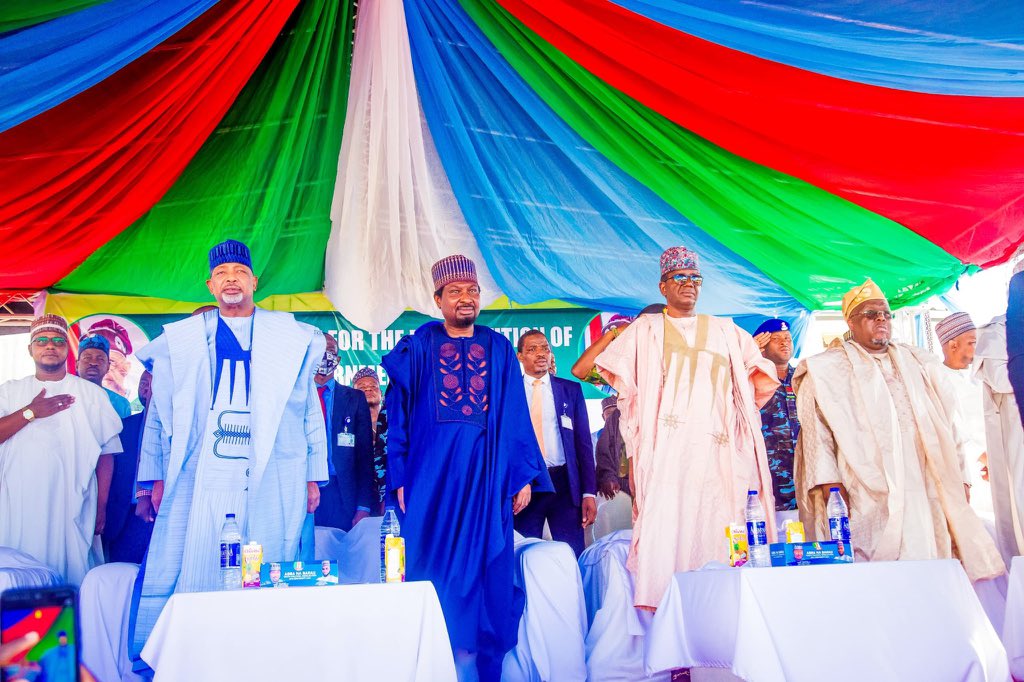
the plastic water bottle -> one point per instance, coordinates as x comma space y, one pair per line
389, 526
230, 555
838, 516
757, 532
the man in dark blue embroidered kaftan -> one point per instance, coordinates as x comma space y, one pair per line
462, 459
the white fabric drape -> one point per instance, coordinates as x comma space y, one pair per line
394, 213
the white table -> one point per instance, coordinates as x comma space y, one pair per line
553, 626
908, 620
348, 632
1013, 626
551, 632
18, 569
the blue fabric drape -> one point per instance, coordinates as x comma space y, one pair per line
44, 65
552, 216
937, 46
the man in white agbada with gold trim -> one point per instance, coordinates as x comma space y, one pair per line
877, 419
53, 429
690, 388
234, 426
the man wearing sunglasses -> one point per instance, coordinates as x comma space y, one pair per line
877, 420
690, 387
53, 429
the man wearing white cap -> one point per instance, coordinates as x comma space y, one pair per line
876, 421
53, 429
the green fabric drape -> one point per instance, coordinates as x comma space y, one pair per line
265, 176
814, 244
15, 14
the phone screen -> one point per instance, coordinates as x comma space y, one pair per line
50, 613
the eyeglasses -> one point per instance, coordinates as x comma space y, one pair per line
44, 341
681, 279
875, 315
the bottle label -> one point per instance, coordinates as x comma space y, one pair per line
231, 555
395, 559
839, 528
757, 533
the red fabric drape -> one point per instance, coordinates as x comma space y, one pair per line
951, 168
74, 177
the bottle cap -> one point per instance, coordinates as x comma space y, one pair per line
229, 516
833, 489
751, 492
389, 508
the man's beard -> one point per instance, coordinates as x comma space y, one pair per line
233, 299
881, 341
463, 322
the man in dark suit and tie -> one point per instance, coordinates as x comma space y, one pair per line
349, 495
129, 512
559, 416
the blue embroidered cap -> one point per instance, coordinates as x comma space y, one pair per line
94, 341
230, 251
772, 326
363, 373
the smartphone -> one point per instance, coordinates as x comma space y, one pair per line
52, 613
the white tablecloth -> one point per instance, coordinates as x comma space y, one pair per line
350, 632
1013, 627
551, 632
909, 620
18, 569
554, 623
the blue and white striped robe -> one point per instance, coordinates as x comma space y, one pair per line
288, 440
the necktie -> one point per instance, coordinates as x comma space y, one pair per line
537, 415
323, 403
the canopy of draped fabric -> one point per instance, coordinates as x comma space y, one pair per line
799, 146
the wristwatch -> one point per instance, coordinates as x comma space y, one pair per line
28, 414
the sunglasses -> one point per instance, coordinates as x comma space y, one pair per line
875, 315
43, 341
682, 279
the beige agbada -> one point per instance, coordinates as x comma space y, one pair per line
689, 394
882, 426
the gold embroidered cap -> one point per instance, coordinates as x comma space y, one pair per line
868, 291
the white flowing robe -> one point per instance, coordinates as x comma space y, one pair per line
1005, 438
884, 427
692, 428
288, 449
48, 474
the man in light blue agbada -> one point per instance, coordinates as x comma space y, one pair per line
236, 429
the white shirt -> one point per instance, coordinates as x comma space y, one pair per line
970, 417
554, 453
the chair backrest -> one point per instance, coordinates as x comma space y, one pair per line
612, 515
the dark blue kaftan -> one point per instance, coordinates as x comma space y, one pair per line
461, 443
